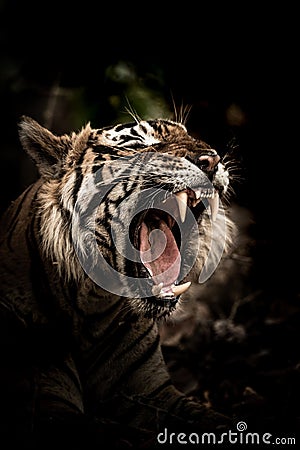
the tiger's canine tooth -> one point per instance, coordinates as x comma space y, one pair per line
195, 202
157, 288
198, 194
182, 199
181, 288
214, 206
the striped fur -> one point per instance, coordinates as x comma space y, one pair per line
73, 350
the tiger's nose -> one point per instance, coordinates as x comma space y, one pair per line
209, 161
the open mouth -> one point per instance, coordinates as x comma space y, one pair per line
158, 239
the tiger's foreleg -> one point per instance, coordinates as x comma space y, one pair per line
133, 386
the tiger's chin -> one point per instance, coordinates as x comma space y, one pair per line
156, 307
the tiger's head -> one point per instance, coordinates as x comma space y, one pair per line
137, 207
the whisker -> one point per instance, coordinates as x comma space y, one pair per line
181, 114
132, 111
185, 114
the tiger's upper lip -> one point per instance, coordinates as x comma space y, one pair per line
164, 268
196, 196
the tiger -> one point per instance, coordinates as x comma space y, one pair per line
95, 253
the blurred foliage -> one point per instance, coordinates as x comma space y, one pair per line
140, 98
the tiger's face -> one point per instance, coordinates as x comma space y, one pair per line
144, 196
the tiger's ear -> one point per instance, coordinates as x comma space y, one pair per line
46, 150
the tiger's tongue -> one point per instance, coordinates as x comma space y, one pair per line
160, 255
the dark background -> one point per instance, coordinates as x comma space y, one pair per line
235, 65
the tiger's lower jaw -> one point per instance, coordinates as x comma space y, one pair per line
155, 310
165, 293
164, 300
159, 307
